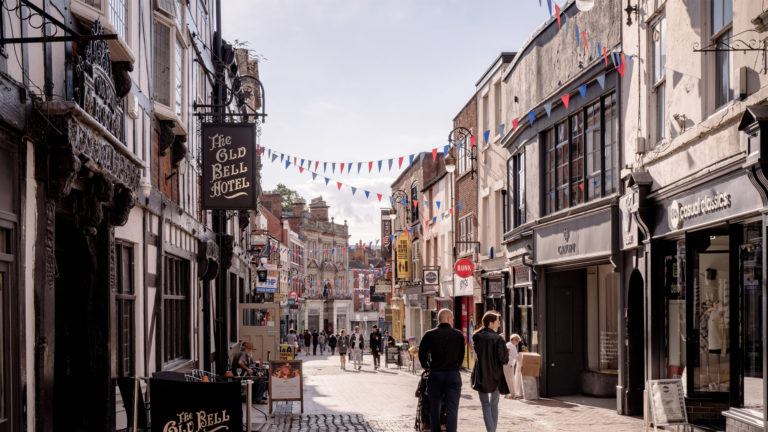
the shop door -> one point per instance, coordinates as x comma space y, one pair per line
4, 347
565, 332
259, 325
82, 351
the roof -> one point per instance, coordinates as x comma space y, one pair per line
504, 57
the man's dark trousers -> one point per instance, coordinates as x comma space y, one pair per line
449, 384
314, 348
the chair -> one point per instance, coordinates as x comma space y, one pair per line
126, 386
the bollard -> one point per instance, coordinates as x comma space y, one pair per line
248, 401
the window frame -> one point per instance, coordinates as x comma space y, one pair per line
519, 208
714, 36
658, 84
414, 209
125, 295
120, 48
177, 36
177, 350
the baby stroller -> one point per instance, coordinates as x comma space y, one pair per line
422, 407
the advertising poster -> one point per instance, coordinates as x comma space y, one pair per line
403, 257
285, 380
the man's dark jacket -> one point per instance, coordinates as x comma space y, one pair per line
490, 357
442, 349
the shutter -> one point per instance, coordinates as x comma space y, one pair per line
162, 64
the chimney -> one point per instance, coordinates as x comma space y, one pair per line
318, 209
298, 207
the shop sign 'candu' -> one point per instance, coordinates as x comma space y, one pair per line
229, 166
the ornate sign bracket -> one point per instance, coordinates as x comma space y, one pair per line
47, 20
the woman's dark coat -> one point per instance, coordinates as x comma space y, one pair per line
490, 357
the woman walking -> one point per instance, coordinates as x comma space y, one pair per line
512, 369
343, 344
488, 375
307, 340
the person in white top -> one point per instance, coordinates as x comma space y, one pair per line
512, 369
356, 343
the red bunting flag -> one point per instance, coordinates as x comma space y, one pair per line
426, 223
472, 141
316, 164
339, 184
400, 162
370, 166
605, 56
342, 167
565, 98
557, 12
514, 124
301, 169
294, 160
586, 42
415, 203
451, 211
434, 154
379, 195
622, 66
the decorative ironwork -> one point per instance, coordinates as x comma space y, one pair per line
47, 21
732, 45
460, 136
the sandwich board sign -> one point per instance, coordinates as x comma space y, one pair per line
667, 402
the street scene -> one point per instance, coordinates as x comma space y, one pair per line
383, 215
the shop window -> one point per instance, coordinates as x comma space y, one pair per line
125, 300
602, 309
577, 158
674, 291
176, 321
594, 160
753, 338
548, 139
711, 355
561, 165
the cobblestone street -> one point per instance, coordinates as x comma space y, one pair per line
384, 401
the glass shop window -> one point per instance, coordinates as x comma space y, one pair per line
750, 279
711, 319
256, 317
674, 290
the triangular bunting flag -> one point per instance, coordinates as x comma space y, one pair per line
532, 116
316, 164
472, 141
342, 168
410, 159
314, 175
390, 164
445, 150
400, 162
460, 204
370, 166
486, 134
333, 167
327, 180
301, 169
354, 189
421, 157
302, 162
274, 156
367, 194
601, 81
605, 55
549, 5
438, 204
287, 164
557, 14
501, 129
586, 42
548, 108
415, 203
349, 167
565, 98
622, 66
282, 156
514, 124
380, 165
325, 166
577, 33
379, 195
583, 91
359, 164
434, 154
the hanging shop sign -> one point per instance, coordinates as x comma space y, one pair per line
269, 285
715, 201
494, 288
403, 257
386, 233
293, 297
431, 276
579, 238
464, 268
229, 166
195, 406
383, 287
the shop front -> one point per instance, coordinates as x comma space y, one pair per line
706, 297
494, 296
577, 290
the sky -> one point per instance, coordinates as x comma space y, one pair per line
361, 80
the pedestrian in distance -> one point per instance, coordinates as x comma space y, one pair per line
343, 347
375, 342
332, 343
291, 338
315, 337
512, 369
307, 340
488, 374
389, 340
321, 342
441, 352
356, 344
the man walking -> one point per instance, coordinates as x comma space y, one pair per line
315, 337
441, 353
356, 343
375, 343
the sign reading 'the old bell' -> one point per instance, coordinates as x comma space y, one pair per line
229, 166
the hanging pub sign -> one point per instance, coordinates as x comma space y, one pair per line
179, 406
229, 166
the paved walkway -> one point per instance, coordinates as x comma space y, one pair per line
384, 401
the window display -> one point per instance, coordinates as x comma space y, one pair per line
674, 287
751, 273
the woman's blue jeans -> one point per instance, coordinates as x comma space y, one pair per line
490, 405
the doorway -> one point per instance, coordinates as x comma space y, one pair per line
565, 332
82, 386
635, 343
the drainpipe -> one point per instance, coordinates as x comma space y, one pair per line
533, 295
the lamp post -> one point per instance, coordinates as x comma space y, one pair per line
458, 140
450, 167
